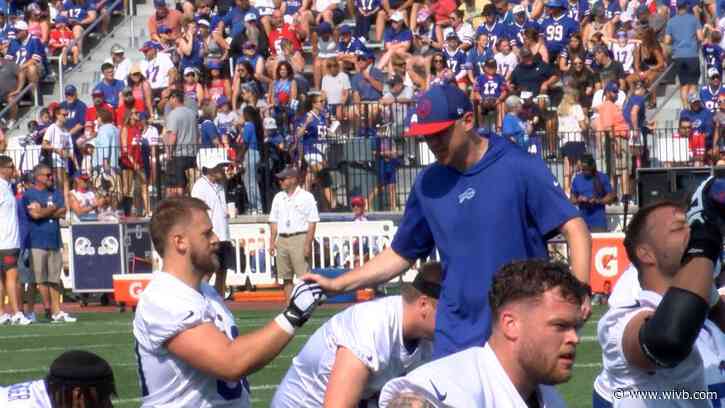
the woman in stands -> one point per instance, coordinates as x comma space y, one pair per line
218, 85
581, 78
243, 76
251, 141
573, 50
572, 122
140, 89
193, 89
283, 92
649, 59
38, 25
132, 165
533, 41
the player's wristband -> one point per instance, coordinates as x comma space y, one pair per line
284, 324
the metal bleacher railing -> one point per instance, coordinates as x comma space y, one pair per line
361, 153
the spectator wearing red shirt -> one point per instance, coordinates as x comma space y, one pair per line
60, 38
92, 119
280, 31
166, 17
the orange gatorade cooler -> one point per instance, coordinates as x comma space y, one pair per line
128, 288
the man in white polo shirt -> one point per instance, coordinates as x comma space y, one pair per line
209, 188
9, 244
293, 220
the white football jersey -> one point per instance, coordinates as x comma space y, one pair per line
167, 307
711, 344
626, 290
624, 55
470, 378
505, 64
373, 331
156, 71
31, 394
617, 374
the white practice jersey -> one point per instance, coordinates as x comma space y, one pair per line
157, 70
373, 331
626, 290
624, 55
166, 308
31, 394
505, 64
470, 378
617, 374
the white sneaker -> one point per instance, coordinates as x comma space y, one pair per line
5, 318
62, 317
19, 319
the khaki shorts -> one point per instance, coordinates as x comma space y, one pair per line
46, 265
291, 259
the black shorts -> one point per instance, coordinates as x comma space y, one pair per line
176, 173
8, 259
573, 150
688, 70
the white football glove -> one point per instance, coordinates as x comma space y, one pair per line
305, 297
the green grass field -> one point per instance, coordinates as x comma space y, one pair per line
26, 352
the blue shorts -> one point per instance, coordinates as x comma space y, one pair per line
387, 172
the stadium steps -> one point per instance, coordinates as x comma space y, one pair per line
87, 73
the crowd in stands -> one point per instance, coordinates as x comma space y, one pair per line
271, 83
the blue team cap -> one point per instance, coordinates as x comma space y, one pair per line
214, 64
159, 3
612, 86
143, 115
438, 109
324, 28
71, 90
364, 54
555, 4
150, 45
345, 29
221, 101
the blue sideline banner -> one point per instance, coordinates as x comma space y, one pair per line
96, 255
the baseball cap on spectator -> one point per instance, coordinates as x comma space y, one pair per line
221, 101
21, 25
423, 14
248, 45
289, 171
97, 93
345, 29
270, 123
621, 34
518, 9
612, 86
143, 115
204, 22
451, 35
70, 90
324, 28
250, 17
163, 29
397, 17
555, 4
150, 45
190, 70
214, 64
713, 72
61, 20
215, 161
438, 109
117, 49
366, 55
159, 3
694, 97
357, 201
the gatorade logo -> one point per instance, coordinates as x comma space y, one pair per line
135, 289
605, 261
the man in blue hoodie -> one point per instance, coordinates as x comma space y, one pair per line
483, 204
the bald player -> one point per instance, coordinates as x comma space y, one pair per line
348, 360
535, 307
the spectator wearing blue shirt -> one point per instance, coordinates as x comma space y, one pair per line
558, 27
76, 119
367, 86
252, 136
397, 39
29, 53
634, 114
209, 133
703, 127
684, 33
591, 191
478, 191
80, 15
520, 23
110, 86
578, 10
107, 144
349, 47
711, 92
366, 11
46, 207
491, 26
235, 20
517, 130
477, 57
